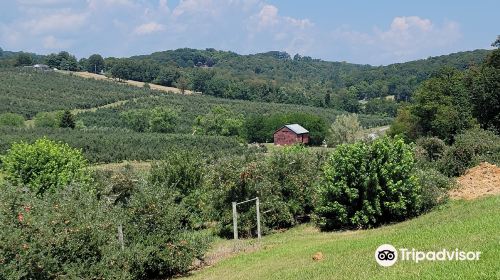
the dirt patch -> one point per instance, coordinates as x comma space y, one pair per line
130, 82
478, 181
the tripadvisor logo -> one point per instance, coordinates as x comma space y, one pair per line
386, 255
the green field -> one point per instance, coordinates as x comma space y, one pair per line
466, 225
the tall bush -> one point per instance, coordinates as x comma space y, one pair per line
11, 119
366, 185
44, 165
470, 148
345, 129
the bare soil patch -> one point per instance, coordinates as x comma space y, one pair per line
130, 82
478, 181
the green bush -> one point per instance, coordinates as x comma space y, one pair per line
44, 165
49, 119
434, 187
163, 119
158, 240
433, 148
73, 235
11, 119
284, 182
366, 185
470, 148
137, 120
183, 173
345, 129
64, 235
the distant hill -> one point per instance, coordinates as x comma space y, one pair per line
278, 77
315, 77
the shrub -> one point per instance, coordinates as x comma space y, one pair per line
433, 148
137, 120
183, 173
44, 165
163, 119
345, 129
284, 182
434, 187
67, 120
64, 235
158, 239
470, 148
366, 185
11, 119
48, 119
73, 235
219, 121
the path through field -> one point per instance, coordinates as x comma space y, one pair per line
130, 82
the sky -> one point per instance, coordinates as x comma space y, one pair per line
367, 32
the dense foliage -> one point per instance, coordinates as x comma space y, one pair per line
278, 77
219, 121
72, 234
260, 119
284, 182
345, 129
50, 91
11, 119
453, 101
44, 166
114, 145
260, 128
367, 185
469, 149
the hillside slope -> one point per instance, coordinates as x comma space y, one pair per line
466, 225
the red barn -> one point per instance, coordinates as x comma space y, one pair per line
291, 134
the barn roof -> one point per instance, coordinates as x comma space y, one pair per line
297, 128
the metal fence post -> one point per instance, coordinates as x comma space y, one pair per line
235, 222
257, 204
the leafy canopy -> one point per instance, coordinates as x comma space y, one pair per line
44, 166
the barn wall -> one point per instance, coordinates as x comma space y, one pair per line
285, 136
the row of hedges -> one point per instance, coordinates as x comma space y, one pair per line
115, 145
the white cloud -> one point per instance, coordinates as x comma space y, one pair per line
267, 17
61, 21
163, 6
148, 28
407, 38
51, 42
206, 7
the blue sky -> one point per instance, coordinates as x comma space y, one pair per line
367, 32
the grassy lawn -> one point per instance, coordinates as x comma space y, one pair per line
466, 225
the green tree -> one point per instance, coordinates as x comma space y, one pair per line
219, 121
67, 120
137, 120
484, 84
405, 125
48, 119
163, 119
442, 105
44, 166
365, 185
95, 64
345, 129
167, 76
328, 100
23, 59
11, 119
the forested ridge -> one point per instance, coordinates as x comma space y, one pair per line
268, 77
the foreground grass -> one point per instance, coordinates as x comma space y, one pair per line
466, 225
